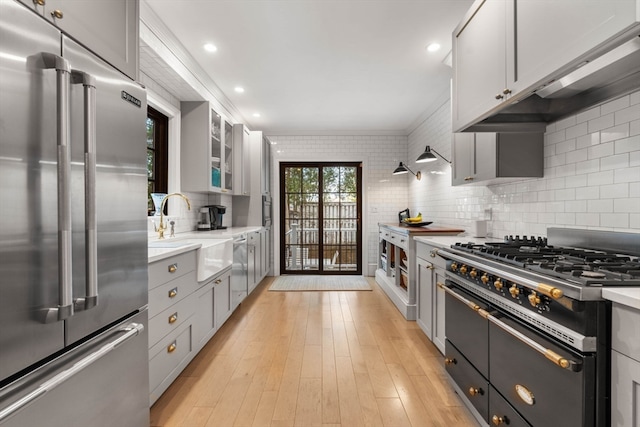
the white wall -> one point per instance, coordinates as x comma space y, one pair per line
384, 194
591, 176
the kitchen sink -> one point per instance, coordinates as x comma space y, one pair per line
212, 257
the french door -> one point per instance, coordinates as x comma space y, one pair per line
321, 211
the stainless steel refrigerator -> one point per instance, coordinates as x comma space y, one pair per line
73, 245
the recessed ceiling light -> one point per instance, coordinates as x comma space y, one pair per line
433, 47
239, 89
210, 47
256, 114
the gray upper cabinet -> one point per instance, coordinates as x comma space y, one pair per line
242, 160
496, 157
110, 28
504, 50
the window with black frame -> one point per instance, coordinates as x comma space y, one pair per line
157, 155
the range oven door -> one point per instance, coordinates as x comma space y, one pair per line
523, 366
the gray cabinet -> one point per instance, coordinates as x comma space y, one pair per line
242, 160
625, 366
430, 298
206, 149
172, 282
110, 28
254, 268
206, 321
496, 157
222, 299
504, 50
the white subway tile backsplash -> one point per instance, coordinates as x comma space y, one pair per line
617, 220
614, 191
600, 178
617, 132
599, 123
615, 105
614, 162
627, 115
634, 189
587, 193
566, 146
601, 150
577, 156
587, 115
627, 174
580, 129
588, 219
600, 206
634, 128
588, 140
630, 205
627, 145
634, 159
575, 206
634, 221
588, 166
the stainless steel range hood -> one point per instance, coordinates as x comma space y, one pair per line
613, 74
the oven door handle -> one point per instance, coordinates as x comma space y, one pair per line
558, 360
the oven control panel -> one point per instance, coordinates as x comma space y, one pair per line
526, 297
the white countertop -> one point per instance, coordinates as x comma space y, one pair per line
626, 296
175, 245
447, 241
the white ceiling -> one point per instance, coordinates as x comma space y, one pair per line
321, 65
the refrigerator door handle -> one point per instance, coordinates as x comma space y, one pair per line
130, 330
64, 309
91, 241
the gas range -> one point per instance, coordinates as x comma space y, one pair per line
586, 267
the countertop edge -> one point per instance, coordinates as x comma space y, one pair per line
164, 253
447, 241
625, 296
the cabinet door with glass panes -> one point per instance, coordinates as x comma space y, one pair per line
206, 149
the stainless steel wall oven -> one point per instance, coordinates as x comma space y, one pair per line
527, 331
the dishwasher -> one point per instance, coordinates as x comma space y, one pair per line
239, 271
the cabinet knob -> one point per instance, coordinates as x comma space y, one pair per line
57, 14
173, 318
506, 91
173, 268
39, 2
218, 281
496, 420
173, 292
499, 96
473, 391
449, 361
172, 347
468, 178
433, 253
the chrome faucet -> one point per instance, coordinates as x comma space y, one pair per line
161, 228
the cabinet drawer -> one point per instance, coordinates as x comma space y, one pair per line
502, 413
170, 319
168, 355
474, 386
171, 292
400, 240
430, 253
384, 234
168, 269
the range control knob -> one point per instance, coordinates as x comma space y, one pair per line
485, 278
473, 273
534, 299
514, 291
463, 269
498, 284
454, 266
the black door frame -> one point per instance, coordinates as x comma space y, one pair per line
282, 221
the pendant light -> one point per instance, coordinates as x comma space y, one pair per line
428, 156
403, 168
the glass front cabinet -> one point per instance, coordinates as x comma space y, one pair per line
206, 149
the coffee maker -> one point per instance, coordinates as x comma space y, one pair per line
211, 217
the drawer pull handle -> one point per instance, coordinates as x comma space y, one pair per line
449, 361
496, 420
218, 281
172, 347
173, 318
173, 292
57, 14
173, 268
473, 391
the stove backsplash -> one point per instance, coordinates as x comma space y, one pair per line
591, 177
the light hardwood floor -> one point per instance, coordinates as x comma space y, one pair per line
325, 359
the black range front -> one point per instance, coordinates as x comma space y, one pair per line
522, 352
